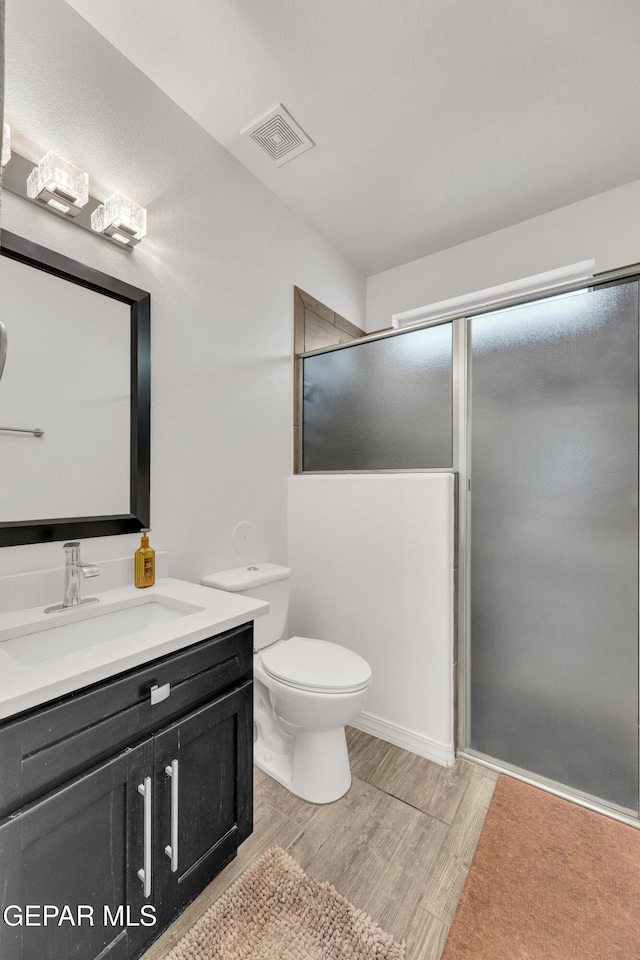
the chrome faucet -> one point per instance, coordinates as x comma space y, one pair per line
74, 568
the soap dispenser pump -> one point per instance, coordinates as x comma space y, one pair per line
144, 562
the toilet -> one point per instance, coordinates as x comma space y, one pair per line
305, 692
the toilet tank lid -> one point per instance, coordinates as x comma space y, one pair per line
246, 578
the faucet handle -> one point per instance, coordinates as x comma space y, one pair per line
72, 552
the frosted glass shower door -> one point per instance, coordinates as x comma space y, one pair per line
554, 540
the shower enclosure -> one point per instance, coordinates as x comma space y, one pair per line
553, 638
535, 406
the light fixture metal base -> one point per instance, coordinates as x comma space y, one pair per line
114, 232
49, 198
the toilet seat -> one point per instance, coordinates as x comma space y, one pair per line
316, 665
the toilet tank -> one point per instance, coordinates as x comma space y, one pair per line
262, 581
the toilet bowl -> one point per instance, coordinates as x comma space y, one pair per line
305, 692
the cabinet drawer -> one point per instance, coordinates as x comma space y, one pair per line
41, 749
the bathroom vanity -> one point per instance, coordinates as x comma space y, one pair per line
122, 798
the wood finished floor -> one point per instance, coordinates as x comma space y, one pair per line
398, 845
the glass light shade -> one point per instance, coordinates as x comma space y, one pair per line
59, 184
121, 219
6, 144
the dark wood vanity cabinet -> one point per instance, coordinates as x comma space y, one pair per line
78, 848
122, 846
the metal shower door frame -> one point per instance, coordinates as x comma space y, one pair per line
463, 373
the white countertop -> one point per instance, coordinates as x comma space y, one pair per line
24, 685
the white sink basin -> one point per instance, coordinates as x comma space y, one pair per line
91, 625
48, 655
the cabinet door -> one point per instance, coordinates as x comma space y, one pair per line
77, 852
204, 795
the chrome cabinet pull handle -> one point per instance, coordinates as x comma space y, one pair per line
145, 873
158, 694
171, 849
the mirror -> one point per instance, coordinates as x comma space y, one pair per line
74, 399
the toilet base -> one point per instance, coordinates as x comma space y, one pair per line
315, 769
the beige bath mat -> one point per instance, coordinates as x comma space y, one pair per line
549, 881
274, 911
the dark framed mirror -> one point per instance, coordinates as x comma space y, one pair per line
74, 399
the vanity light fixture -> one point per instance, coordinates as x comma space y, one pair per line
121, 219
59, 184
60, 187
6, 144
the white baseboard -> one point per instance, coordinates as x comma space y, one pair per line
442, 753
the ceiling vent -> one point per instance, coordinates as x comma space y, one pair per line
279, 135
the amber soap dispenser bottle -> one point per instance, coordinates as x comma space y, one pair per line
144, 562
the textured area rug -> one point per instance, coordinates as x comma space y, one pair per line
274, 911
549, 881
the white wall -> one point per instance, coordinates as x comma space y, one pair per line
372, 559
220, 260
604, 227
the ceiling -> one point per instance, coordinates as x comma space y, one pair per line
435, 121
